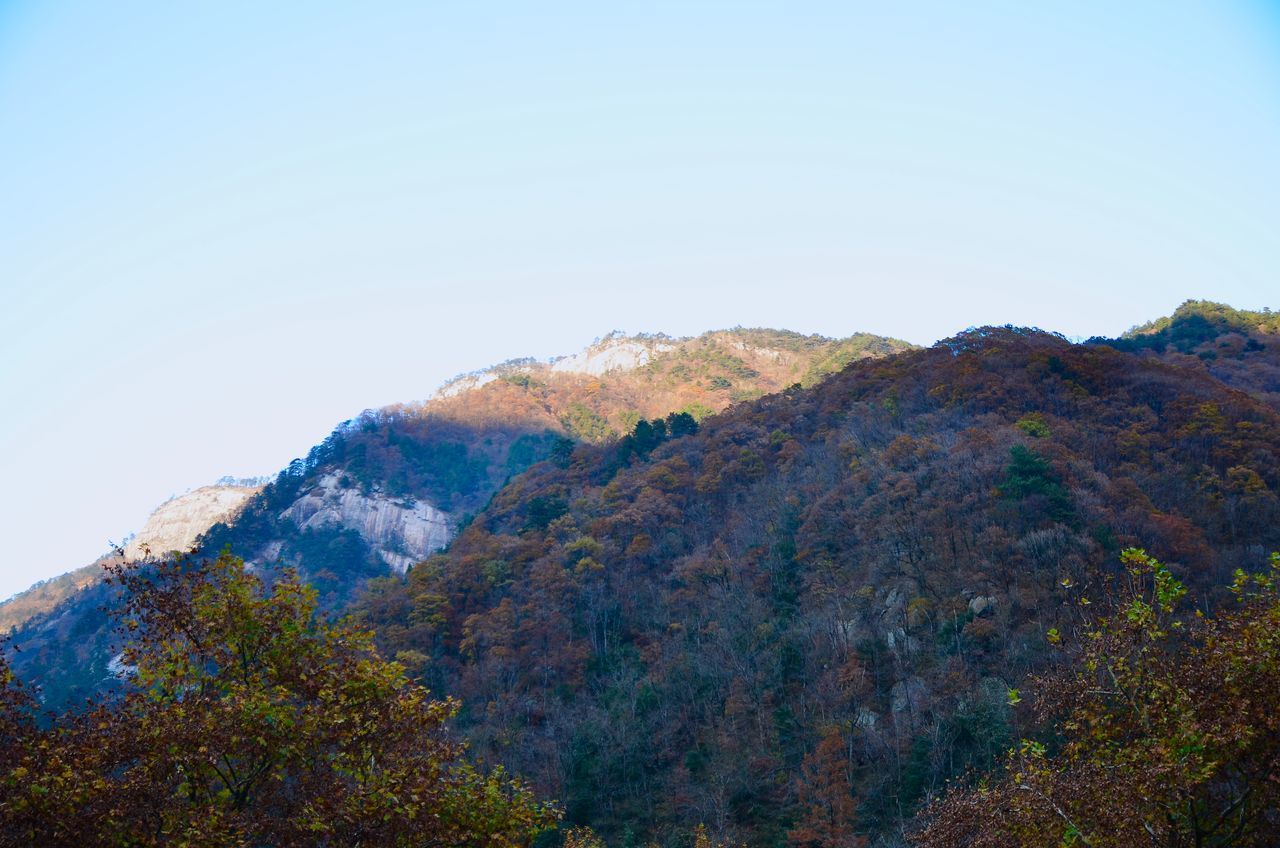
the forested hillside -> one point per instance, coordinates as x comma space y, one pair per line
1237, 346
821, 600
788, 623
391, 486
173, 526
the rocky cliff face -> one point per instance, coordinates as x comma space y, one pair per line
387, 489
178, 522
387, 474
401, 531
613, 353
173, 526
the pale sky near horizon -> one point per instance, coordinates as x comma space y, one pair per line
226, 227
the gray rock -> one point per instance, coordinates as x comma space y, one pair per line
982, 604
401, 534
907, 695
175, 524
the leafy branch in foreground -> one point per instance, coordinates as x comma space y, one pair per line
252, 723
1166, 726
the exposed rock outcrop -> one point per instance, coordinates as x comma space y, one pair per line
982, 604
178, 522
401, 532
613, 353
173, 526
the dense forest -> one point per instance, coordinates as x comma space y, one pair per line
452, 452
1231, 344
252, 722
812, 619
678, 634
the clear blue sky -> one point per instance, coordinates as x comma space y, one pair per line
225, 227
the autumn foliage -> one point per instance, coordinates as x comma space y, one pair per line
252, 723
1163, 731
830, 811
796, 622
668, 637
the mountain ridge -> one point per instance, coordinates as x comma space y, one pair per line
666, 620
174, 525
391, 486
656, 634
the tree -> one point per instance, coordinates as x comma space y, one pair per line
826, 798
1030, 475
251, 723
1165, 730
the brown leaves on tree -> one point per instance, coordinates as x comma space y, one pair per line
825, 791
1164, 730
252, 723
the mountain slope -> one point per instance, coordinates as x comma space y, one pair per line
175, 525
390, 487
678, 630
819, 596
1239, 347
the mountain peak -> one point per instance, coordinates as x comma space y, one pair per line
177, 523
614, 352
620, 352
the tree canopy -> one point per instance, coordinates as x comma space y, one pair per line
1163, 732
252, 722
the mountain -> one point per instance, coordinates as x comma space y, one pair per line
392, 486
834, 586
668, 601
175, 525
1236, 346
47, 594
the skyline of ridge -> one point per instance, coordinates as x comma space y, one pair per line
224, 230
515, 364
